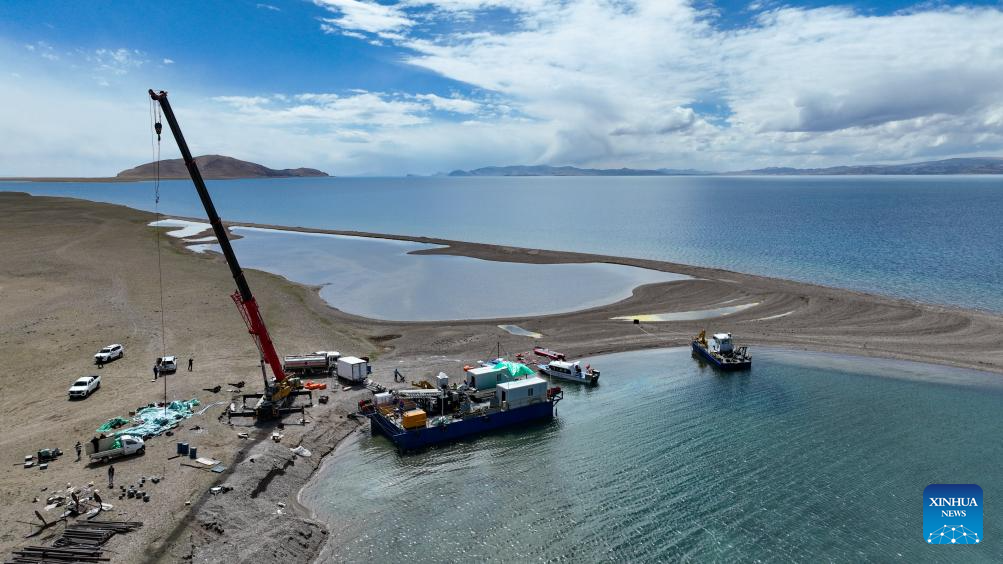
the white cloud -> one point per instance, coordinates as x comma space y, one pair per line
591, 83
361, 15
42, 49
329, 111
117, 61
632, 81
104, 131
455, 105
242, 102
269, 7
168, 61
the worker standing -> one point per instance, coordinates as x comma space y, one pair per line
111, 476
191, 361
77, 447
156, 372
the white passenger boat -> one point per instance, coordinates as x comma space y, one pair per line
564, 370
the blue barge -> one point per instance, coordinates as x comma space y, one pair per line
721, 352
411, 428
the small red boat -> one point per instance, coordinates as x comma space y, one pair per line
547, 353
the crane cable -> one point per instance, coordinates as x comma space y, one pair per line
155, 149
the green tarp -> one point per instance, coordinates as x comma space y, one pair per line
515, 369
152, 421
113, 423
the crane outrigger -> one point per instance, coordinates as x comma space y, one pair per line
280, 390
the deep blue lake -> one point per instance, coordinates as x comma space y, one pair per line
805, 458
933, 239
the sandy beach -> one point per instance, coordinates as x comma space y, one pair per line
78, 275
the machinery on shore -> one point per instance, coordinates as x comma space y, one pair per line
280, 390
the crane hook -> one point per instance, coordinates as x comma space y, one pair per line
158, 128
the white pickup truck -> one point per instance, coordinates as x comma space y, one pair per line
84, 387
113, 447
168, 364
108, 354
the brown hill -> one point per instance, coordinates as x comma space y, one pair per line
215, 167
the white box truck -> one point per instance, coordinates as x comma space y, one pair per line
353, 369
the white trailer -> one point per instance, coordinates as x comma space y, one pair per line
486, 377
519, 393
353, 369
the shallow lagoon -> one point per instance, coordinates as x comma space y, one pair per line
807, 457
379, 279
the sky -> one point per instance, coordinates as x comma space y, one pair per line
363, 87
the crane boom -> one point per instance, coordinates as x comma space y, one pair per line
245, 301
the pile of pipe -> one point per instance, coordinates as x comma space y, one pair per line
80, 542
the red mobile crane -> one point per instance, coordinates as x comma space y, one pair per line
276, 393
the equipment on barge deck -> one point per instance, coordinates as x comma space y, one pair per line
280, 390
417, 418
720, 351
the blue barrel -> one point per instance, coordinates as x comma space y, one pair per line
193, 452
182, 448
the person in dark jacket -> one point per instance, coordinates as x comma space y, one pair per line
191, 361
111, 476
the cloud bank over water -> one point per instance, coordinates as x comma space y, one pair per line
642, 83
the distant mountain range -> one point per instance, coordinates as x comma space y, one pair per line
543, 170
978, 165
214, 167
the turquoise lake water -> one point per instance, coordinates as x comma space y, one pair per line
379, 279
806, 458
933, 239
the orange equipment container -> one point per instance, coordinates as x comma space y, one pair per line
414, 419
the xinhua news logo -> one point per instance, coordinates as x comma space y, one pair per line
952, 514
